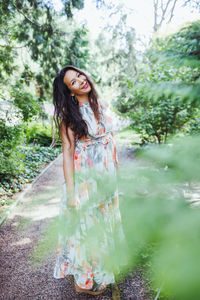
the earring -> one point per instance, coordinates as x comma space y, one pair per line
74, 99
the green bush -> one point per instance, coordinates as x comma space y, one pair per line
20, 163
10, 159
163, 99
34, 157
37, 133
194, 124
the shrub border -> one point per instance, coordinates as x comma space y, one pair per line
24, 192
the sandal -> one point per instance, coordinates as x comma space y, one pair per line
86, 291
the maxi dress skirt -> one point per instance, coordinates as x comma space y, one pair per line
92, 233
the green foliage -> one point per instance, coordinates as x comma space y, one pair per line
38, 133
27, 103
114, 54
156, 118
26, 163
78, 52
36, 42
163, 98
21, 163
194, 126
10, 159
35, 157
160, 213
127, 137
79, 4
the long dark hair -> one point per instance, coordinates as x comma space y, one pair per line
65, 110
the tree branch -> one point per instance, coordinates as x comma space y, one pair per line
164, 13
194, 52
172, 11
155, 4
37, 24
27, 18
13, 47
164, 9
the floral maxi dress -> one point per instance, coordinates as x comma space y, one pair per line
91, 233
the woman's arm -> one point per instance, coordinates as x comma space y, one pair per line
115, 151
68, 162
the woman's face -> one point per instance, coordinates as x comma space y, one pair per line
77, 83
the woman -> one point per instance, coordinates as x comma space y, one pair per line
90, 189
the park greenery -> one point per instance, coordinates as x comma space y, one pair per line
162, 98
156, 89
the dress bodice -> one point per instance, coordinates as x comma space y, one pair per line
96, 128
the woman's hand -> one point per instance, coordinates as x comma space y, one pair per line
72, 201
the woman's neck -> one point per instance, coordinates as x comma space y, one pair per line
82, 98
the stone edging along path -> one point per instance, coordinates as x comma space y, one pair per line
26, 190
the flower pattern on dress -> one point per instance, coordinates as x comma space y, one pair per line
94, 152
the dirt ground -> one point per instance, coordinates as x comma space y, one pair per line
19, 278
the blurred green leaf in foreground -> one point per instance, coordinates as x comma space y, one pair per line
159, 203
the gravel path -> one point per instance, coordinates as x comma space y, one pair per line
22, 280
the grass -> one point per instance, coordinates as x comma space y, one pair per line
127, 137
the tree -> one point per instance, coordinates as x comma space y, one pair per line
163, 12
163, 99
193, 3
36, 32
36, 41
114, 54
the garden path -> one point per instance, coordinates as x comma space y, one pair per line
22, 280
